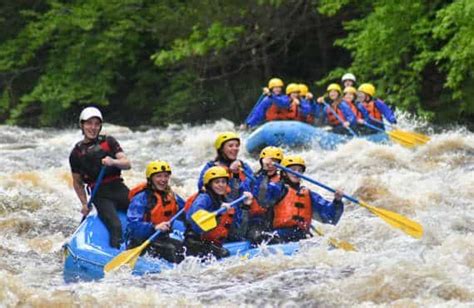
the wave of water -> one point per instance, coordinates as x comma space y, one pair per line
432, 184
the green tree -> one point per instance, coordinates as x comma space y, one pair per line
419, 54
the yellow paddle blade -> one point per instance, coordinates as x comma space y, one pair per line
129, 257
408, 226
336, 243
401, 139
341, 244
205, 220
415, 137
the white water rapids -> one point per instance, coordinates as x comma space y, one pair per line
432, 184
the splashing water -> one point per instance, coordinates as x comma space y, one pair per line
432, 184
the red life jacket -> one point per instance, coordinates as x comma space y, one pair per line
163, 210
277, 113
255, 208
333, 121
373, 110
294, 210
221, 231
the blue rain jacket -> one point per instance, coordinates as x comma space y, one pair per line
137, 227
257, 117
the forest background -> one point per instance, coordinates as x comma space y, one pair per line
153, 62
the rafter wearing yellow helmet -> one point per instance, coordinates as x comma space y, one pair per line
152, 205
374, 110
272, 105
292, 204
224, 137
215, 172
292, 160
155, 167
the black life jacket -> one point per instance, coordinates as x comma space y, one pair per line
90, 157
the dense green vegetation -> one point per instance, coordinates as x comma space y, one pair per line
155, 62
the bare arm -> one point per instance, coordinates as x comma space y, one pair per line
120, 162
78, 185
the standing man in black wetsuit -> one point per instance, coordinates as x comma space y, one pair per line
86, 160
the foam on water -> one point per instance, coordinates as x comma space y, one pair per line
432, 184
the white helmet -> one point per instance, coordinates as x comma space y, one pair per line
348, 76
90, 112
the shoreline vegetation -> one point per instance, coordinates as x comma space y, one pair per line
152, 63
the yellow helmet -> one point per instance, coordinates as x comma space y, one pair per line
224, 137
334, 86
367, 88
351, 90
275, 82
215, 173
292, 88
292, 160
303, 89
272, 152
155, 167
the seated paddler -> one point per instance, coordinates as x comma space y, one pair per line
294, 205
260, 229
204, 243
153, 203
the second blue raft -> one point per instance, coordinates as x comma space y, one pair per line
298, 134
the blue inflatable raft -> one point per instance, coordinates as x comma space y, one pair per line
299, 134
86, 254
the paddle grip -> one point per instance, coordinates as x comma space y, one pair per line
236, 201
171, 222
314, 182
339, 119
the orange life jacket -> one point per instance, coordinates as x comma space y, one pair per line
333, 121
277, 113
373, 110
294, 210
189, 201
255, 208
161, 211
354, 109
221, 231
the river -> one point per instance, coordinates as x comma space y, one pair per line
432, 184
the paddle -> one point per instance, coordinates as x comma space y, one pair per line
415, 137
401, 139
334, 242
130, 256
207, 220
353, 133
94, 190
408, 226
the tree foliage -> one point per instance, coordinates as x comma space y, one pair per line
418, 53
160, 61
